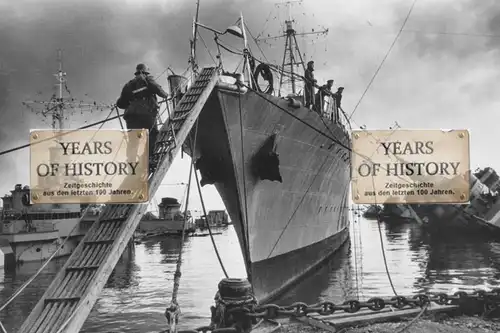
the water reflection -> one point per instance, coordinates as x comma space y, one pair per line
336, 273
139, 289
461, 264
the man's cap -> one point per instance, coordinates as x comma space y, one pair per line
330, 81
141, 68
310, 62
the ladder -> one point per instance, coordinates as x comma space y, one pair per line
74, 291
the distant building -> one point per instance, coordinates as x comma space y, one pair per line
171, 219
215, 218
218, 217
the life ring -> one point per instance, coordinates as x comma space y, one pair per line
25, 199
265, 71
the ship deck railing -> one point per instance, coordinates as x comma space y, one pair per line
329, 111
35, 215
335, 114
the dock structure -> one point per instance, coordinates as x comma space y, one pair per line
339, 321
69, 299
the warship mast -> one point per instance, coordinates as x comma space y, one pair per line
58, 104
293, 61
57, 108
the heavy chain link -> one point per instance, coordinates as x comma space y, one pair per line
490, 300
205, 329
299, 309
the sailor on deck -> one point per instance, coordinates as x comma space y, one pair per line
138, 98
338, 99
325, 90
309, 84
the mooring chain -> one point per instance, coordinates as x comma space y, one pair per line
491, 299
270, 311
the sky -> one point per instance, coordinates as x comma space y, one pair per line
441, 73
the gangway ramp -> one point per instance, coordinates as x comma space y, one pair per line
70, 298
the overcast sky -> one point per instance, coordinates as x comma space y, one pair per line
441, 73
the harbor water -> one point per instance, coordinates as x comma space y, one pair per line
137, 293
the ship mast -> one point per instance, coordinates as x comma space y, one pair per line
293, 61
192, 59
57, 105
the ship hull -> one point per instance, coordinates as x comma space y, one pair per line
453, 220
285, 226
274, 276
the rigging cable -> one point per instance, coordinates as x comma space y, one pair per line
101, 122
174, 306
7, 151
355, 246
298, 119
328, 136
384, 59
34, 276
256, 41
208, 226
258, 94
221, 263
206, 48
31, 279
75, 311
349, 149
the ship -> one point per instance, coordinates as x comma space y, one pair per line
372, 212
284, 183
396, 213
31, 233
171, 220
214, 219
480, 217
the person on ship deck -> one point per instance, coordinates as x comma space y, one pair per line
338, 99
324, 90
309, 83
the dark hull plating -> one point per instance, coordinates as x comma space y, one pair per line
284, 228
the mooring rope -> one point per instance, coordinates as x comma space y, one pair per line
32, 278
209, 228
178, 273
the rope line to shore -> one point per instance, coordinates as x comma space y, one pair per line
209, 228
32, 278
378, 217
11, 150
414, 320
177, 275
48, 260
334, 140
382, 247
384, 59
